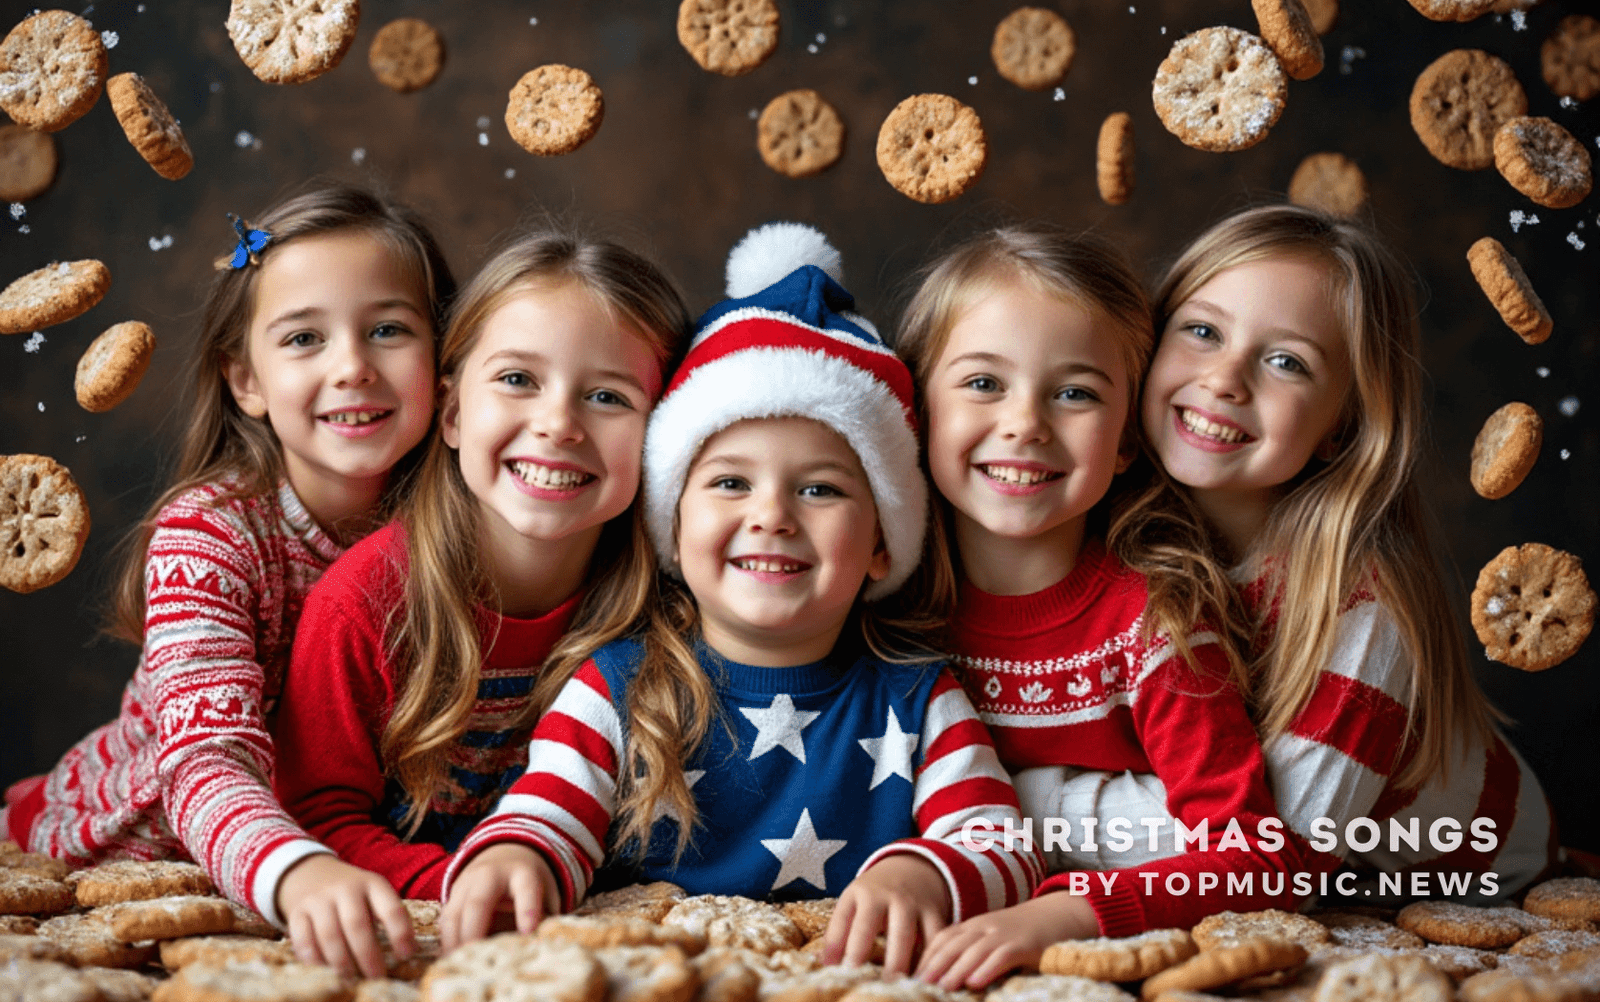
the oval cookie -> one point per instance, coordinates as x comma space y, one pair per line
241, 980
27, 163
730, 37
1129, 959
54, 294
43, 523
1232, 928
554, 109
1569, 59
52, 70
1214, 968
1113, 159
137, 880
516, 968
1502, 279
1219, 89
149, 126
1532, 609
1505, 450
1033, 47
1566, 898
1460, 101
1323, 13
112, 366
799, 134
1329, 182
1452, 10
290, 41
932, 148
406, 54
1543, 161
1286, 27
1384, 976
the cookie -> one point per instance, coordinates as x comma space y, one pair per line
1232, 928
109, 371
1033, 47
734, 921
252, 981
1565, 898
137, 880
406, 54
87, 941
1363, 932
724, 977
222, 949
1505, 283
18, 925
516, 968
17, 946
1505, 450
811, 917
1458, 962
52, 70
1384, 978
646, 901
821, 984
1214, 968
730, 37
27, 163
424, 916
45, 981
1287, 29
1500, 986
601, 931
386, 990
1570, 58
1219, 89
247, 922
1555, 943
35, 862
647, 974
149, 126
1461, 925
1452, 10
117, 985
1458, 103
1323, 14
901, 989
554, 109
932, 148
1113, 159
1123, 959
799, 134
1543, 161
1532, 608
289, 41
53, 294
168, 918
1331, 183
1056, 988
44, 521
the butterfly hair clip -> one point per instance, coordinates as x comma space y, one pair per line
251, 243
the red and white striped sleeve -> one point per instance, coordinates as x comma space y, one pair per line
961, 781
563, 804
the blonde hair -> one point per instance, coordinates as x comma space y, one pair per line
433, 638
221, 443
1357, 518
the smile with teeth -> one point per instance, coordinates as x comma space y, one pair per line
768, 565
355, 417
1209, 429
548, 477
1024, 476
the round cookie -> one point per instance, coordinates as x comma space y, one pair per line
1555, 943
28, 163
1056, 988
1532, 608
1287, 29
290, 42
1505, 283
137, 880
1458, 103
1459, 963
735, 921
1367, 933
602, 931
1127, 959
646, 901
1570, 58
406, 54
1033, 47
88, 941
168, 918
23, 892
901, 989
1329, 182
248, 922
811, 917
725, 977
1214, 968
43, 523
149, 126
52, 70
1505, 450
222, 949
386, 990
1233, 928
516, 968
1323, 13
730, 37
647, 974
1543, 161
1379, 977
1565, 898
1501, 986
554, 109
1452, 10
932, 148
117, 985
799, 134
109, 372
1114, 157
1456, 924
821, 984
1219, 89
53, 294
252, 981
42, 980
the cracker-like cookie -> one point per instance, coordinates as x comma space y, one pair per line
138, 880
1219, 89
19, 946
730, 37
88, 941
735, 921
1505, 450
1119, 959
821, 984
1232, 928
932, 147
811, 917
1381, 977
1287, 29
52, 70
1452, 10
1458, 103
248, 922
253, 981
27, 163
35, 862
514, 968
725, 977
108, 373
149, 126
1570, 57
1323, 14
1532, 608
799, 134
116, 985
222, 949
1329, 182
53, 294
18, 925
1056, 988
1214, 968
601, 931
1543, 161
291, 41
406, 54
168, 918
648, 974
901, 989
1461, 925
1555, 943
1505, 283
45, 981
1367, 933
554, 109
1113, 158
1501, 986
1033, 47
44, 521
646, 901
1565, 898
1458, 963
386, 990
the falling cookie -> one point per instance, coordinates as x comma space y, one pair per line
1505, 450
27, 163
1329, 182
1113, 159
730, 37
932, 147
1505, 283
1458, 103
1219, 89
1287, 28
1452, 10
1543, 161
43, 523
149, 126
1532, 609
1033, 47
554, 109
406, 54
799, 134
52, 70
54, 294
1323, 13
112, 366
1570, 58
291, 41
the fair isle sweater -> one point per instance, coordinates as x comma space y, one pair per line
338, 699
185, 771
810, 775
1064, 677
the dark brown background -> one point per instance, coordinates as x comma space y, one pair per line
674, 170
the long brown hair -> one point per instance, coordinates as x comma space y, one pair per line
222, 444
434, 638
1356, 520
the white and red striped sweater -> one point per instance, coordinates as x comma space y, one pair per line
185, 771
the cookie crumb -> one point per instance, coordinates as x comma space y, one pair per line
483, 139
483, 121
1348, 56
1519, 20
1568, 406
18, 210
511, 172
1059, 95
1566, 453
1576, 241
110, 39
1543, 372
358, 155
972, 80
31, 346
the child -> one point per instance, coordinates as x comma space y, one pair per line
756, 738
1028, 344
410, 695
312, 383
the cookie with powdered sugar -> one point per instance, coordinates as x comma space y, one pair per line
932, 148
137, 880
554, 109
28, 163
1219, 89
1452, 10
54, 294
52, 70
1532, 609
292, 41
1128, 958
149, 126
1543, 161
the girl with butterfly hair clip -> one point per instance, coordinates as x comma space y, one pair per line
311, 386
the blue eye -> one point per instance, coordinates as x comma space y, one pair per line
1288, 363
610, 398
1204, 332
389, 330
1077, 395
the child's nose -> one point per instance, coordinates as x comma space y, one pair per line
1225, 377
554, 417
769, 512
351, 364
1023, 419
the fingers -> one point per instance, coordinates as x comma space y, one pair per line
390, 911
303, 934
833, 940
994, 964
355, 928
865, 925
901, 941
527, 902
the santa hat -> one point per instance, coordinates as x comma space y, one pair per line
787, 344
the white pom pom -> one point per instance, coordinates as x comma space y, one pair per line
768, 253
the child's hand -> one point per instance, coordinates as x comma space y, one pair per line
904, 895
330, 907
506, 870
977, 951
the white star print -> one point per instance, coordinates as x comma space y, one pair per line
803, 856
891, 754
779, 726
666, 810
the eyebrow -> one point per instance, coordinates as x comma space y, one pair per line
1283, 332
525, 356
1070, 369
736, 459
308, 312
